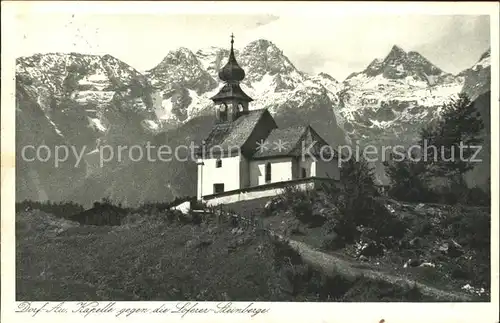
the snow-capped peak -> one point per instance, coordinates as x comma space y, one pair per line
180, 57
396, 53
399, 64
213, 58
262, 57
181, 68
484, 61
477, 77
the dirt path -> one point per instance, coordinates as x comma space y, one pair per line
333, 265
330, 264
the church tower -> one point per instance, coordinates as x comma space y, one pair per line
231, 102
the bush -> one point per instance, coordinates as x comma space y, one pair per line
471, 229
422, 227
366, 211
408, 181
301, 203
475, 271
354, 198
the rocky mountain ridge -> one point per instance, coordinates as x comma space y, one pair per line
390, 99
391, 93
91, 100
79, 101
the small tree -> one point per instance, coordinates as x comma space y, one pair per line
358, 179
355, 197
408, 180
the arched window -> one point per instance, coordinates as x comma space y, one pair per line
218, 163
304, 172
223, 112
268, 172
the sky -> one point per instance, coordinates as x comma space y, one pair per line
338, 45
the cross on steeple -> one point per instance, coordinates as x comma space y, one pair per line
231, 99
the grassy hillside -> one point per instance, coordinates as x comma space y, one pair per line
167, 256
147, 260
332, 243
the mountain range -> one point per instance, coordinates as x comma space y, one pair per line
89, 101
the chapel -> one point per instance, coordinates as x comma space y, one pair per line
246, 149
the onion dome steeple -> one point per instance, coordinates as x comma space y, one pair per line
232, 72
231, 101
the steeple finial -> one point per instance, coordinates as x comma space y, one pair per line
232, 72
232, 42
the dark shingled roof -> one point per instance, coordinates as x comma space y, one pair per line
288, 142
231, 90
233, 134
287, 137
233, 137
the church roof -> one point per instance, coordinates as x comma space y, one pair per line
234, 134
291, 141
279, 142
288, 138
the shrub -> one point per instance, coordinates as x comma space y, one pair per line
366, 211
408, 181
301, 203
284, 254
472, 229
475, 271
422, 227
195, 218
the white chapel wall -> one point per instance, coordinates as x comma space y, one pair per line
199, 174
228, 174
281, 170
244, 172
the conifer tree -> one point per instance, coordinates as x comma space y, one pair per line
408, 179
449, 145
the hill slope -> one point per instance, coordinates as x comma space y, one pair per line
221, 259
